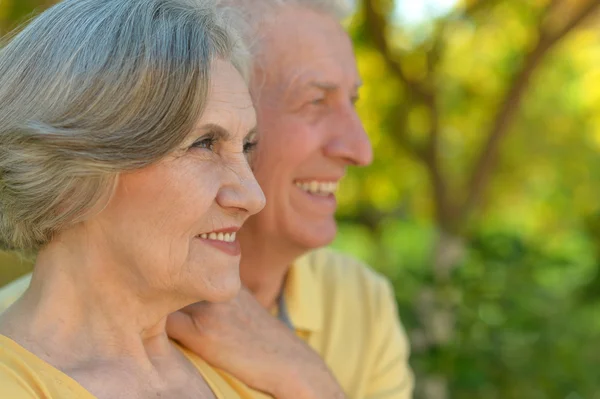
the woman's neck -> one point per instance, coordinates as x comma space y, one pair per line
90, 306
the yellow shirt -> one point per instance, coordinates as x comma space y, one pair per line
23, 375
347, 313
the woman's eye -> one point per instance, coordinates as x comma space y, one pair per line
207, 143
250, 146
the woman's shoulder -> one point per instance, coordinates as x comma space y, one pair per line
23, 375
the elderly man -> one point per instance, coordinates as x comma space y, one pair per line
348, 341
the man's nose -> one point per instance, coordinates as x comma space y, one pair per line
349, 140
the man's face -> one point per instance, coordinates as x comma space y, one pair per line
304, 89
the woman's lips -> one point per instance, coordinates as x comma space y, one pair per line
225, 240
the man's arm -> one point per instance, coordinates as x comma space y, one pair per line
392, 377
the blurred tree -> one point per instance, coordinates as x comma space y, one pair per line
450, 95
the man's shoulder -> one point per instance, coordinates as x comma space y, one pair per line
13, 291
342, 277
332, 266
356, 307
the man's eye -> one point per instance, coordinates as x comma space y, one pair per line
318, 101
207, 143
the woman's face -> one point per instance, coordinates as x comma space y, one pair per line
175, 222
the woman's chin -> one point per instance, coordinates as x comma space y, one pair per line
213, 278
222, 290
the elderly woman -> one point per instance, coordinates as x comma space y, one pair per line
124, 131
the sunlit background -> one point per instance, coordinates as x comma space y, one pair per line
482, 204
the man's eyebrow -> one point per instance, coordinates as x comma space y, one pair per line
330, 86
218, 131
327, 86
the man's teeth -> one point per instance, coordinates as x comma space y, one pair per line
227, 237
317, 187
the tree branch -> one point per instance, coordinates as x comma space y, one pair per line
443, 202
424, 93
476, 6
487, 159
377, 27
586, 11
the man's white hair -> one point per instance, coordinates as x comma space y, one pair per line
250, 15
339, 9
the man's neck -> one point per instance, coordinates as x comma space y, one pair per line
264, 267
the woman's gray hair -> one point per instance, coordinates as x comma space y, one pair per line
92, 88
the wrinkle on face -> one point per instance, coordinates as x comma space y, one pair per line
157, 212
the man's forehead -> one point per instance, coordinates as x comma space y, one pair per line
302, 49
321, 77
298, 33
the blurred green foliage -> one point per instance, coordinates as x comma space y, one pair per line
513, 311
495, 255
526, 316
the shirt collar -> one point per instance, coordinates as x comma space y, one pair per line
303, 296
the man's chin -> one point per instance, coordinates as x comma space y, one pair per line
317, 236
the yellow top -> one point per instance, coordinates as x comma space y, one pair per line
347, 313
343, 310
23, 375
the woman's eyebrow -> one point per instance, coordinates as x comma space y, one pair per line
252, 132
218, 131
